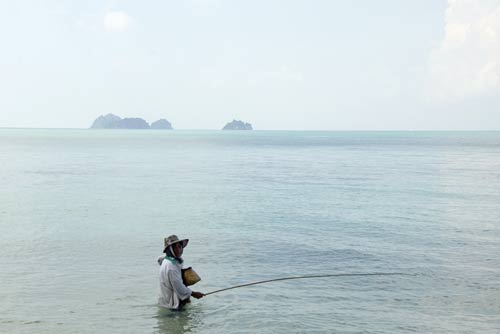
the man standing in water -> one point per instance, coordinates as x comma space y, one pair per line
174, 294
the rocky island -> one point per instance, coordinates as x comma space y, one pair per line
161, 124
237, 125
111, 121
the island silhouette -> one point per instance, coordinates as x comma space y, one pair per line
111, 121
237, 125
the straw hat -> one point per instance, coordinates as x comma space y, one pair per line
190, 277
173, 239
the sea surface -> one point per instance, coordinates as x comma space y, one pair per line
83, 214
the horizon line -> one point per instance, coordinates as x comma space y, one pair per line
304, 130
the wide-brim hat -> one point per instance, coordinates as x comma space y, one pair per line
173, 239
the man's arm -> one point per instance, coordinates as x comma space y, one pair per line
197, 294
180, 289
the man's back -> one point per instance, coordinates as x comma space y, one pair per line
172, 288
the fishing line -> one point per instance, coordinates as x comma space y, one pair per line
308, 276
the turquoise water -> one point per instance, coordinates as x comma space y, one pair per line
83, 214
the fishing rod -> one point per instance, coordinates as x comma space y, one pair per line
307, 276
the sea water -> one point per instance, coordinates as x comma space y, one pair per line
83, 214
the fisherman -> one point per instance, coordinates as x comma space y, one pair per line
174, 294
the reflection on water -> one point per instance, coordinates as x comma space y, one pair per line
176, 322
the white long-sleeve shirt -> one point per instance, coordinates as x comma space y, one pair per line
172, 288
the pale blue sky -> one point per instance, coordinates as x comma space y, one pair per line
304, 65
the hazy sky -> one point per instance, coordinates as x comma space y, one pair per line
325, 65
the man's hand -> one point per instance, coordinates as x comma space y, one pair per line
197, 294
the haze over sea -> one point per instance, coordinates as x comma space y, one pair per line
83, 214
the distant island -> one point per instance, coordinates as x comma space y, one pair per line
111, 121
161, 124
237, 125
